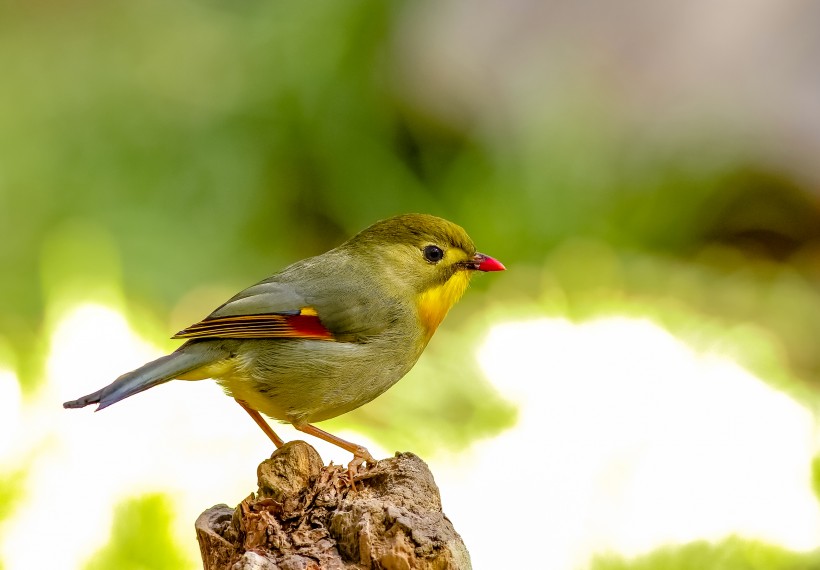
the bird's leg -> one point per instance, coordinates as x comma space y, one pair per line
360, 453
260, 421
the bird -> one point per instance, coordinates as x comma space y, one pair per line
326, 334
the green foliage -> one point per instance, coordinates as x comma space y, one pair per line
11, 491
269, 132
140, 538
730, 554
815, 476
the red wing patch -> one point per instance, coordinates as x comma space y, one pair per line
305, 324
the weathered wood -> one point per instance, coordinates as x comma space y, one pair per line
210, 527
305, 516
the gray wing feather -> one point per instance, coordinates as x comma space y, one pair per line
349, 308
262, 298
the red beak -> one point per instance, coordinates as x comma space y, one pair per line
486, 263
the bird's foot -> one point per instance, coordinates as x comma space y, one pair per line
360, 457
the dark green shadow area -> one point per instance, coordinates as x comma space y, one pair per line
141, 538
730, 554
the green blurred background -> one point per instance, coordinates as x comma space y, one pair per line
641, 159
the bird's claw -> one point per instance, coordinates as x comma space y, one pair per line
360, 457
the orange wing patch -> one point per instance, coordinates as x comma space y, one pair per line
304, 324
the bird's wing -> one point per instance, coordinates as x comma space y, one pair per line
328, 308
265, 310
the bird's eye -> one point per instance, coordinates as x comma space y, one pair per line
433, 253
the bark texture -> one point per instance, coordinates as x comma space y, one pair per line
306, 516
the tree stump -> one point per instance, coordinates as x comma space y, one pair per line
306, 516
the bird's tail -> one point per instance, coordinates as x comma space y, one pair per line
189, 357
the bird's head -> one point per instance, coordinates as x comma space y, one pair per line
431, 256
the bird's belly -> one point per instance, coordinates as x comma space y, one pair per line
304, 381
247, 390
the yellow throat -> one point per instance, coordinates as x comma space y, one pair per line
435, 302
